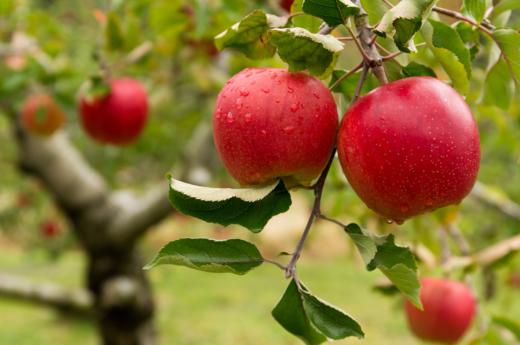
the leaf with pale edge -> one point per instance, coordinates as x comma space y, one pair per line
308, 22
249, 207
113, 32
208, 255
414, 69
375, 10
291, 314
509, 41
249, 36
474, 9
304, 50
403, 21
333, 12
447, 46
333, 322
498, 87
397, 263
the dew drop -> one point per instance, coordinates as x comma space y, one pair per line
260, 71
294, 107
317, 107
278, 82
253, 83
274, 75
277, 101
316, 95
264, 134
288, 129
399, 222
404, 207
326, 106
249, 74
218, 113
247, 117
389, 221
230, 118
429, 201
290, 89
316, 116
383, 119
266, 90
239, 103
244, 92
231, 81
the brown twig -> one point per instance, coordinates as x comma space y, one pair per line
352, 71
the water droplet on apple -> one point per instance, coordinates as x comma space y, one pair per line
290, 89
277, 101
383, 119
317, 107
264, 134
316, 116
230, 118
218, 113
231, 81
239, 103
278, 82
247, 117
429, 201
316, 95
266, 90
288, 129
294, 107
326, 106
249, 74
404, 207
274, 75
389, 221
244, 92
399, 222
260, 71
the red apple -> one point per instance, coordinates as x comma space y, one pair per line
49, 229
286, 4
269, 123
41, 115
410, 147
449, 308
119, 117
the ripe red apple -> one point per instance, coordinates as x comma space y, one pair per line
41, 115
449, 308
269, 123
49, 229
410, 147
286, 4
119, 117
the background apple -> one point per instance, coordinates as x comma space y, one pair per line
269, 123
119, 117
286, 4
449, 308
41, 115
49, 229
410, 147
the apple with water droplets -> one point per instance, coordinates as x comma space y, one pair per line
410, 147
449, 308
269, 124
118, 117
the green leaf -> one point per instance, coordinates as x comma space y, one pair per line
113, 33
330, 69
348, 86
308, 22
498, 87
393, 69
208, 255
290, 313
98, 89
397, 263
333, 12
509, 41
333, 322
470, 36
283, 254
375, 10
447, 46
415, 69
304, 50
403, 21
474, 9
249, 36
506, 5
249, 207
512, 326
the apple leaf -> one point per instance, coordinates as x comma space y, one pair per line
333, 12
509, 41
97, 89
304, 50
348, 86
291, 314
113, 33
470, 36
308, 22
333, 322
506, 5
414, 69
249, 36
447, 46
474, 9
250, 207
397, 263
510, 325
209, 255
403, 21
375, 10
498, 87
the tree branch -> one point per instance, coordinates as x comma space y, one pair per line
499, 201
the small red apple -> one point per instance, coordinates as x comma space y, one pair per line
269, 123
449, 307
410, 147
41, 115
49, 229
119, 117
286, 4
